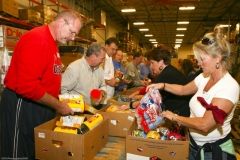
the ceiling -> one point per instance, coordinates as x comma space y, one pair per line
161, 17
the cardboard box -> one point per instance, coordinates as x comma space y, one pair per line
29, 14
67, 60
14, 9
119, 123
72, 146
46, 13
144, 148
100, 17
10, 36
5, 6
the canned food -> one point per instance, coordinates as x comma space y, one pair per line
91, 123
153, 135
138, 133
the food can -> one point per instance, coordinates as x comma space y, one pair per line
91, 123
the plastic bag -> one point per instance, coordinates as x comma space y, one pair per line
149, 110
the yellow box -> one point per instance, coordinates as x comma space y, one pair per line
75, 102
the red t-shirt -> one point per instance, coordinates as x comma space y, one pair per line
36, 66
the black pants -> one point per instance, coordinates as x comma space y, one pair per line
19, 117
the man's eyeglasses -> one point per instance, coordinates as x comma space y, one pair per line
72, 32
206, 41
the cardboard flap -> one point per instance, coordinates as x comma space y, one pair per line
93, 140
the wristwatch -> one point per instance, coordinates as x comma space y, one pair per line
108, 82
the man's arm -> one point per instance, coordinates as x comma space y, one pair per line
61, 107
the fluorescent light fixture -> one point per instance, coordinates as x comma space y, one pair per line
224, 25
186, 8
181, 29
177, 45
154, 42
148, 35
180, 35
143, 29
183, 22
138, 23
128, 10
152, 39
179, 40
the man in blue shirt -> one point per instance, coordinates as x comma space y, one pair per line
119, 73
145, 70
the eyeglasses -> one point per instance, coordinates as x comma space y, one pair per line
206, 41
72, 32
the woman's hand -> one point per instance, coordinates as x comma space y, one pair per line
127, 81
155, 86
123, 107
133, 94
169, 115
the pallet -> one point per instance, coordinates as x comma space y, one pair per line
7, 15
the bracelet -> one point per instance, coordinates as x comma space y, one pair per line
174, 116
163, 86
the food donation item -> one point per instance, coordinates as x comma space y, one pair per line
139, 133
95, 95
91, 123
114, 108
71, 121
153, 135
75, 102
149, 110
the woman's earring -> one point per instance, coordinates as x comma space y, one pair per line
217, 65
160, 68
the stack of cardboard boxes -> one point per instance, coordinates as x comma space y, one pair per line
30, 16
46, 12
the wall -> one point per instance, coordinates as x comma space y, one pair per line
183, 52
111, 30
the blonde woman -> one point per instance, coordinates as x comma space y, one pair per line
216, 94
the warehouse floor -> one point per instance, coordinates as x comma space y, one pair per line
236, 143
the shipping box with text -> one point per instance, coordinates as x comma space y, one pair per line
71, 146
119, 123
144, 148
